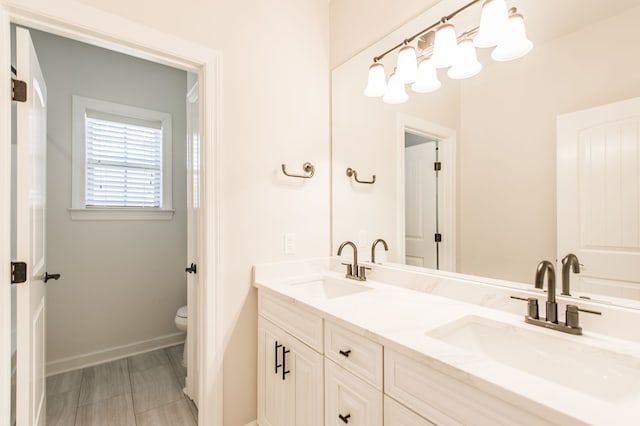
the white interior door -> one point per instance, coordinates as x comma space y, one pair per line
30, 223
599, 196
420, 205
193, 244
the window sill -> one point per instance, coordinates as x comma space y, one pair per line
120, 214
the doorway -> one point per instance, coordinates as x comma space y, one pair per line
422, 231
426, 188
182, 54
123, 243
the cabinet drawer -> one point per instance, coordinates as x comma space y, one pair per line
301, 324
350, 400
356, 353
446, 400
396, 414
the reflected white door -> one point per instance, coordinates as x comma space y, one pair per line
30, 223
420, 205
599, 196
193, 244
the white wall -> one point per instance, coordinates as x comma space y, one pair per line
122, 281
275, 84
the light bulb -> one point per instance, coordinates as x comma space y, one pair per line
395, 91
427, 80
466, 64
515, 44
493, 23
444, 46
407, 67
377, 82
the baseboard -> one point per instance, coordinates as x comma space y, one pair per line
112, 354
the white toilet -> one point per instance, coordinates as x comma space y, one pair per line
181, 324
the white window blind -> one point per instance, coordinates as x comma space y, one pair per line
123, 162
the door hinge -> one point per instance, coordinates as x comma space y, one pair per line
18, 272
438, 238
18, 90
437, 166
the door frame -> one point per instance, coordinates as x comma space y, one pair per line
446, 184
80, 22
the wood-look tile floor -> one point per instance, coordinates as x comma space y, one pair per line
142, 390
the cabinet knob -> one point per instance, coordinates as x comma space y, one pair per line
345, 353
345, 419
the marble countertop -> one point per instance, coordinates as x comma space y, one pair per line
400, 319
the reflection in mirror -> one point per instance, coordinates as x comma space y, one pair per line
497, 203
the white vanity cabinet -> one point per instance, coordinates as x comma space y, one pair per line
290, 373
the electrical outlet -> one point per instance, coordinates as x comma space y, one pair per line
289, 243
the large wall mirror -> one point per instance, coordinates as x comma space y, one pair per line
493, 201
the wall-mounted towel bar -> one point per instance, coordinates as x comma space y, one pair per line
351, 172
307, 167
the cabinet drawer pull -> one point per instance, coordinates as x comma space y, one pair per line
276, 358
285, 351
345, 353
344, 418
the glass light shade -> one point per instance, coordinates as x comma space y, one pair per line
493, 23
427, 80
377, 82
466, 64
516, 44
395, 91
444, 46
407, 67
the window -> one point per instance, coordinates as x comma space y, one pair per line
121, 162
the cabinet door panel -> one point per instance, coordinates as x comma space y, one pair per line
271, 391
304, 385
350, 400
290, 379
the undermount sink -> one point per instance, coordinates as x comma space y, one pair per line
326, 288
587, 369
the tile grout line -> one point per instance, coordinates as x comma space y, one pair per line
133, 406
184, 395
75, 417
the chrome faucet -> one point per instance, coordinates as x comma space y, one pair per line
569, 261
355, 272
545, 268
373, 248
571, 324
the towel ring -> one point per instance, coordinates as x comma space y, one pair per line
351, 172
307, 167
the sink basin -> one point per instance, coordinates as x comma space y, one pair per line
326, 288
587, 369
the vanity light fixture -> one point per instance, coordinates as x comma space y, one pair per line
466, 62
515, 43
396, 94
407, 68
377, 83
438, 46
427, 80
445, 46
493, 23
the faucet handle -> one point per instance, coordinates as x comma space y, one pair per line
571, 315
362, 273
349, 268
532, 306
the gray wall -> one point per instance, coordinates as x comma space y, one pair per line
122, 281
